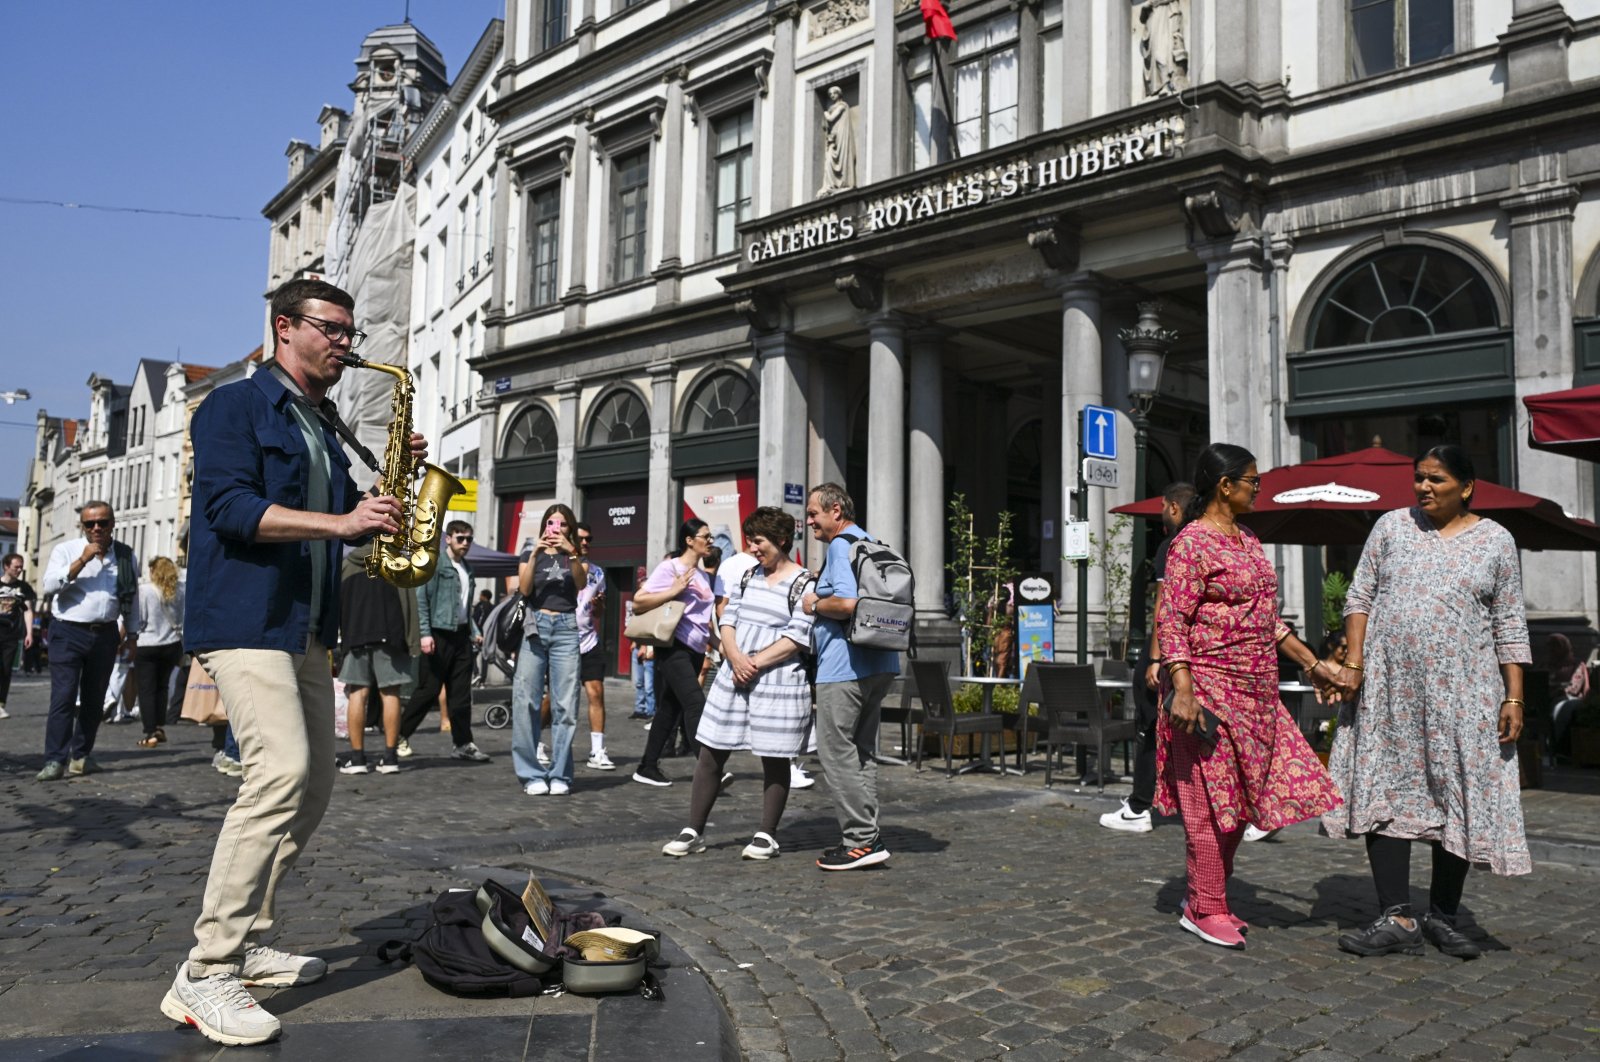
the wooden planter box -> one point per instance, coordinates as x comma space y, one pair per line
1586, 746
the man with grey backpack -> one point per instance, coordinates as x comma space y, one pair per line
862, 602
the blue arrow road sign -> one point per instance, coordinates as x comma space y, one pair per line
1098, 431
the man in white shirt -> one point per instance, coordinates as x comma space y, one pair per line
96, 586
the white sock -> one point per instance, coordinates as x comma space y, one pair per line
597, 743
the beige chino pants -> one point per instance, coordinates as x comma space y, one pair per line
281, 708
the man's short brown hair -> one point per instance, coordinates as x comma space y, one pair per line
290, 297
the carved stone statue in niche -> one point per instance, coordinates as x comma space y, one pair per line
1166, 57
838, 145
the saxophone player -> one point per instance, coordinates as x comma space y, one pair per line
273, 500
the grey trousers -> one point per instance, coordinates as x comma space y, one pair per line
848, 714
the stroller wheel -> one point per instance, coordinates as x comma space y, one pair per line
497, 717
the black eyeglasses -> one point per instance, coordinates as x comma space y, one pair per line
463, 538
98, 523
585, 538
334, 330
1254, 481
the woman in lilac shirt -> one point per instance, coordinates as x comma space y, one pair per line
677, 667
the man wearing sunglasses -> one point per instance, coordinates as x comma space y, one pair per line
273, 500
448, 633
96, 586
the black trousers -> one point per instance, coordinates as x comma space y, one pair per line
81, 658
9, 640
153, 668
448, 667
678, 697
1145, 710
1391, 873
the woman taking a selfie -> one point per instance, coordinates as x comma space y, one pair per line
1228, 754
677, 666
1427, 751
549, 579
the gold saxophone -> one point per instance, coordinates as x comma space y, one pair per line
409, 558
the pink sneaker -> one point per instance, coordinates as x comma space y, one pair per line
1238, 923
1214, 929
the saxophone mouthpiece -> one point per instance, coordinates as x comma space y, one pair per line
351, 360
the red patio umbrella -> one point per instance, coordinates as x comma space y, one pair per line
1334, 501
1566, 422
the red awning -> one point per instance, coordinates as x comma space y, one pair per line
1334, 501
1566, 422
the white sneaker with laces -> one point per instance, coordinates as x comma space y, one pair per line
470, 752
761, 846
599, 761
1127, 820
559, 788
266, 967
220, 1008
798, 778
3, 713
537, 787
686, 843
543, 755
1254, 833
404, 748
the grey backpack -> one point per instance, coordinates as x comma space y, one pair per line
885, 589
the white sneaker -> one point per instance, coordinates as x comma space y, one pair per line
686, 843
231, 767
470, 752
543, 755
220, 1008
537, 787
799, 779
559, 788
404, 748
266, 967
761, 846
1254, 833
3, 713
1125, 819
599, 761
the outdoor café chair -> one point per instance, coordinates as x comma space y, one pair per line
1075, 715
939, 712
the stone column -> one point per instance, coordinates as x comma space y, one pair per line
669, 204
500, 229
1239, 364
486, 521
1078, 54
886, 430
577, 236
660, 523
830, 418
875, 143
1249, 47
926, 509
1081, 384
784, 449
1546, 358
1030, 68
1536, 45
567, 442
780, 141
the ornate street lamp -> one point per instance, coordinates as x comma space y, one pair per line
1147, 344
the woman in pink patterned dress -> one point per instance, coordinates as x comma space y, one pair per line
1220, 637
1438, 641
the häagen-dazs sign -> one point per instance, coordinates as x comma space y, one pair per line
1035, 171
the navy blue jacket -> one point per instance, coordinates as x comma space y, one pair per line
249, 454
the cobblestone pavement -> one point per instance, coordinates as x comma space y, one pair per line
1007, 924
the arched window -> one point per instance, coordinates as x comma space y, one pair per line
1403, 293
532, 433
621, 417
724, 400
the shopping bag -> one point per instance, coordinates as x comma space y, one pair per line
201, 702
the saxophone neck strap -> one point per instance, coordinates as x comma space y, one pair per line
328, 413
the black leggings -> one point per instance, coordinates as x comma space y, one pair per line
153, 671
678, 696
708, 783
1391, 873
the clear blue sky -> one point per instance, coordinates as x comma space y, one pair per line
167, 105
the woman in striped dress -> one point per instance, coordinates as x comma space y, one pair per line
762, 697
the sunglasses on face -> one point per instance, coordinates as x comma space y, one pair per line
91, 524
463, 538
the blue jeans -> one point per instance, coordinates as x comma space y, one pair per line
644, 686
552, 654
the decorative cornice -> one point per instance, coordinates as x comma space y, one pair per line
863, 284
1057, 240
762, 308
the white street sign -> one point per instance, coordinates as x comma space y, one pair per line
1075, 540
1098, 473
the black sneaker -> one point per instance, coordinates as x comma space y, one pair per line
353, 764
842, 858
1442, 933
1384, 937
389, 763
651, 776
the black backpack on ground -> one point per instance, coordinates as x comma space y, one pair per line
452, 954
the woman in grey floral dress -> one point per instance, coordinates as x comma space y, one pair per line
1437, 642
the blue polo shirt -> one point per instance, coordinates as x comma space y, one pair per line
249, 454
837, 659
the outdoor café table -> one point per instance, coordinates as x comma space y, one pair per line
1031, 695
984, 762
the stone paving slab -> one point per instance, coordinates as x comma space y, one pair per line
1008, 924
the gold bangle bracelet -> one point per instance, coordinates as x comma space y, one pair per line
1355, 667
1519, 702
